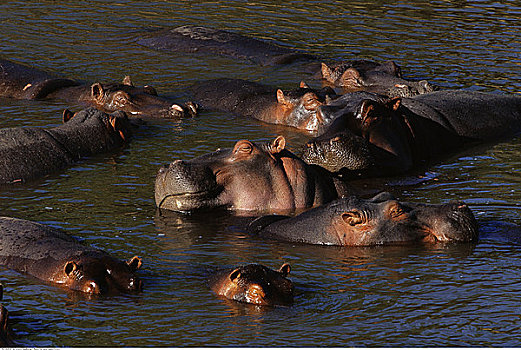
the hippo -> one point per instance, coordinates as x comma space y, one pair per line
23, 82
382, 78
381, 220
296, 108
28, 153
51, 255
254, 284
252, 177
376, 136
209, 41
5, 329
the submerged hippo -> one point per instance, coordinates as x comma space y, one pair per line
377, 136
254, 284
209, 41
51, 255
377, 221
249, 176
29, 153
22, 82
382, 78
296, 108
5, 329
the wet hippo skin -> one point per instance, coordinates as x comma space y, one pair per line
23, 82
29, 153
254, 284
296, 108
377, 136
381, 220
53, 256
249, 176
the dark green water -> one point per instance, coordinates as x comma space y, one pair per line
462, 295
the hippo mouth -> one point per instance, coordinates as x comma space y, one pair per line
343, 151
179, 187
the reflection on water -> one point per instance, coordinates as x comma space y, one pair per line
454, 295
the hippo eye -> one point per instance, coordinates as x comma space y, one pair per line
245, 148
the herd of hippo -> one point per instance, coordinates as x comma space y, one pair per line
366, 121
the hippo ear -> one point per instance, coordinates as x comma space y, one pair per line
235, 274
277, 145
97, 92
135, 263
70, 267
285, 269
351, 77
352, 217
303, 85
281, 98
127, 80
327, 73
67, 115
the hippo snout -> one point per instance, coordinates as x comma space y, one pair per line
135, 284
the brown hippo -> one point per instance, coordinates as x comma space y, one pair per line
264, 177
296, 108
22, 82
377, 136
51, 255
254, 284
5, 329
364, 75
209, 41
377, 221
29, 153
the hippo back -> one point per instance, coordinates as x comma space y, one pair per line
472, 114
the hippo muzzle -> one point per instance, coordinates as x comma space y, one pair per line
184, 186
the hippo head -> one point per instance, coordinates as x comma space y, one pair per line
384, 79
137, 101
299, 108
255, 284
93, 274
384, 220
263, 177
368, 137
377, 221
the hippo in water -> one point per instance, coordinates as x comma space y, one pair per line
53, 256
254, 284
296, 108
29, 153
378, 136
22, 82
203, 40
382, 78
381, 220
249, 176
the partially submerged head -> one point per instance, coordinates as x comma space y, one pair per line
381, 220
137, 101
95, 274
255, 284
249, 176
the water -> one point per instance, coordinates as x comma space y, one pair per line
459, 295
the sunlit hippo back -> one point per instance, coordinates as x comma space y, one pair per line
254, 284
